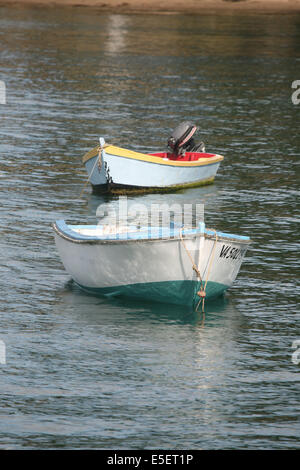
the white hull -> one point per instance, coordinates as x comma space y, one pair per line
112, 266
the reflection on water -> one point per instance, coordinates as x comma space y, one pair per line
117, 30
88, 372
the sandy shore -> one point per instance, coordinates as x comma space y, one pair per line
173, 6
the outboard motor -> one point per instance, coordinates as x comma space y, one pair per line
182, 141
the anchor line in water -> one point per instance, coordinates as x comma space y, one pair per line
202, 292
99, 161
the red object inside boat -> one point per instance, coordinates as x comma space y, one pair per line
188, 157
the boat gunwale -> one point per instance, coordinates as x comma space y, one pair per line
150, 158
71, 235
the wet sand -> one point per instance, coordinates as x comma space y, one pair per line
173, 6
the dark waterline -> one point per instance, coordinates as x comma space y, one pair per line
86, 372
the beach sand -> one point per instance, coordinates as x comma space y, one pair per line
173, 6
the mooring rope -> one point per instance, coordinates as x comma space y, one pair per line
195, 268
98, 159
202, 292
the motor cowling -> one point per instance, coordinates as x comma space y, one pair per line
181, 139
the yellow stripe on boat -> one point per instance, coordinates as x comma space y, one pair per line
124, 153
90, 154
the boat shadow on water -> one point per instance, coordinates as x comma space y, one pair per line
201, 195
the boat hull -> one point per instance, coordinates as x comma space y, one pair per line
173, 292
155, 269
120, 171
121, 189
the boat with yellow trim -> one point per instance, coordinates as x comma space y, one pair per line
117, 170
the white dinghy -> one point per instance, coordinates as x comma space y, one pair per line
178, 265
